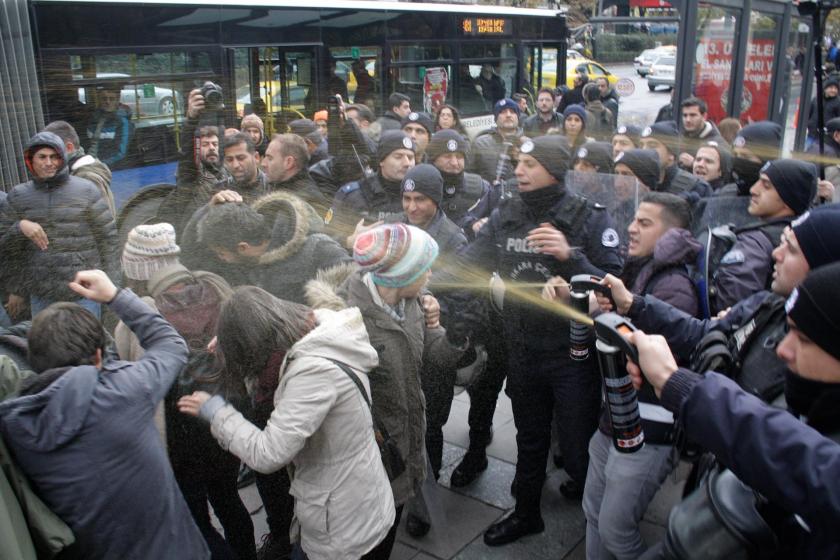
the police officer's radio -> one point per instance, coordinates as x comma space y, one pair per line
622, 402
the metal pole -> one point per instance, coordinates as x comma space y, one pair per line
818, 74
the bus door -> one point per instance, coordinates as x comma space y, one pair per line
279, 84
541, 65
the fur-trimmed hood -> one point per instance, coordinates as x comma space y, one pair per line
293, 221
324, 292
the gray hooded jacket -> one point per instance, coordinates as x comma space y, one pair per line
76, 218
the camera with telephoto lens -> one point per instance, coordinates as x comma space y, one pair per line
213, 98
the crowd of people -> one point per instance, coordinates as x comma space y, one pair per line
301, 307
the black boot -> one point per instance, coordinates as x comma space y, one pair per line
416, 527
512, 528
473, 464
571, 490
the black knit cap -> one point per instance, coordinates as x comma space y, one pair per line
305, 128
424, 179
446, 141
598, 154
630, 131
666, 132
392, 140
763, 138
644, 164
552, 152
816, 233
794, 180
815, 307
423, 119
832, 125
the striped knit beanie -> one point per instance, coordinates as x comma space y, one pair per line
148, 249
396, 255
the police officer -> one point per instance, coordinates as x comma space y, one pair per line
542, 233
462, 190
664, 138
419, 127
794, 466
742, 344
784, 190
372, 198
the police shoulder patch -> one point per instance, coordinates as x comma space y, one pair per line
609, 238
735, 256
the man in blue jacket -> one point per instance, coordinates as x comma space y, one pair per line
794, 463
83, 432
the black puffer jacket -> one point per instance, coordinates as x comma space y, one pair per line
76, 218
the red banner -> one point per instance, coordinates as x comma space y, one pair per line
712, 72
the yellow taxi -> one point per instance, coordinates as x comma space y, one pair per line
589, 67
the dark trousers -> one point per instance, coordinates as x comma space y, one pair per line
274, 492
485, 391
539, 383
218, 485
383, 549
438, 389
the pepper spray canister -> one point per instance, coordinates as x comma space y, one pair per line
622, 403
580, 334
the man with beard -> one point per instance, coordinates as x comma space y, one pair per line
545, 117
286, 166
243, 165
490, 143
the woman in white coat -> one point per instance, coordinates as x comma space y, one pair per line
321, 423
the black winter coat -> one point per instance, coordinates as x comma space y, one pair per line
77, 220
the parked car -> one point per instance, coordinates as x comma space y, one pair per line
662, 72
591, 68
647, 57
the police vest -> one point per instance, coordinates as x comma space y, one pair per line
457, 201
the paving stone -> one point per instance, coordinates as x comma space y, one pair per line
491, 487
457, 520
402, 551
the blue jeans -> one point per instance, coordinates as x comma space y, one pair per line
619, 488
39, 304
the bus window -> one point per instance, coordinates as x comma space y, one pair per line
716, 30
134, 101
759, 71
428, 81
357, 66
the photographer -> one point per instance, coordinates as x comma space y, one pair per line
794, 464
200, 166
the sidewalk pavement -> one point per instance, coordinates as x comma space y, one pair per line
460, 516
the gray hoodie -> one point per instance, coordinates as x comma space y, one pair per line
88, 444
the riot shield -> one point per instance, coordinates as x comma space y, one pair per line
720, 210
619, 194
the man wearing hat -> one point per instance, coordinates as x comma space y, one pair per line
754, 145
792, 458
594, 157
466, 196
360, 204
419, 127
316, 143
542, 233
664, 138
545, 117
491, 143
626, 137
785, 189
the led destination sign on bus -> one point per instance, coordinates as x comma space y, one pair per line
486, 26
